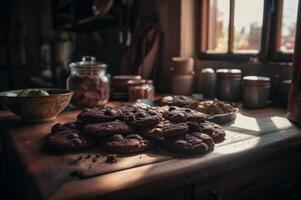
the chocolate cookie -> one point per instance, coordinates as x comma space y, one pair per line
140, 118
60, 127
106, 128
145, 119
177, 115
166, 129
192, 143
65, 138
96, 115
179, 101
125, 144
216, 132
136, 106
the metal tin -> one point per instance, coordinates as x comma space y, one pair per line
256, 90
207, 83
228, 84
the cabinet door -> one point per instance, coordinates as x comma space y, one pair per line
261, 181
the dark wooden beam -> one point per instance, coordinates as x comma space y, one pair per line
294, 105
231, 27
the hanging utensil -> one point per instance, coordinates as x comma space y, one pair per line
128, 4
102, 7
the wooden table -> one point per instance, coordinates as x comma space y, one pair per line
259, 158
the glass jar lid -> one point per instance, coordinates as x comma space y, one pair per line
88, 62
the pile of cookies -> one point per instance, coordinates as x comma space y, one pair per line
178, 100
134, 128
215, 107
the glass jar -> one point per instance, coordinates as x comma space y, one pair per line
90, 83
141, 89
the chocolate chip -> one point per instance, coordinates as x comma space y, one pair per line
76, 141
110, 112
140, 115
134, 136
172, 108
178, 117
151, 112
111, 158
86, 110
117, 137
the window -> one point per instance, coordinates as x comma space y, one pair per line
248, 16
218, 26
245, 28
288, 26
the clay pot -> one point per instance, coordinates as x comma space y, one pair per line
182, 66
182, 84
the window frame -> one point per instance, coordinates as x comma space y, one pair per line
270, 35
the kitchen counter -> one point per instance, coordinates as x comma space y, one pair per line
261, 154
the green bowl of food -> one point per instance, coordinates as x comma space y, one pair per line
36, 105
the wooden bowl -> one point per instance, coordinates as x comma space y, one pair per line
39, 108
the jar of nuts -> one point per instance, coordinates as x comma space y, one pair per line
90, 83
141, 89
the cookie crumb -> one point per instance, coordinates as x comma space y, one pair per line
111, 158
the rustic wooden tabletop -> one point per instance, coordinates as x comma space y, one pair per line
254, 136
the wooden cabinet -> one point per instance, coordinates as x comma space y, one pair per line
263, 180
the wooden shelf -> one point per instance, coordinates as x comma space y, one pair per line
91, 23
97, 22
73, 15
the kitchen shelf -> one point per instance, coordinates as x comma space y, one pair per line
91, 23
74, 15
97, 22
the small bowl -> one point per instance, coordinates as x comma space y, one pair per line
39, 108
225, 118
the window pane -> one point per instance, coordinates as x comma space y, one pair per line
218, 25
288, 26
248, 16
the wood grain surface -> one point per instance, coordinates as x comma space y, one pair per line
256, 135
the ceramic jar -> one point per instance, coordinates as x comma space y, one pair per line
182, 75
